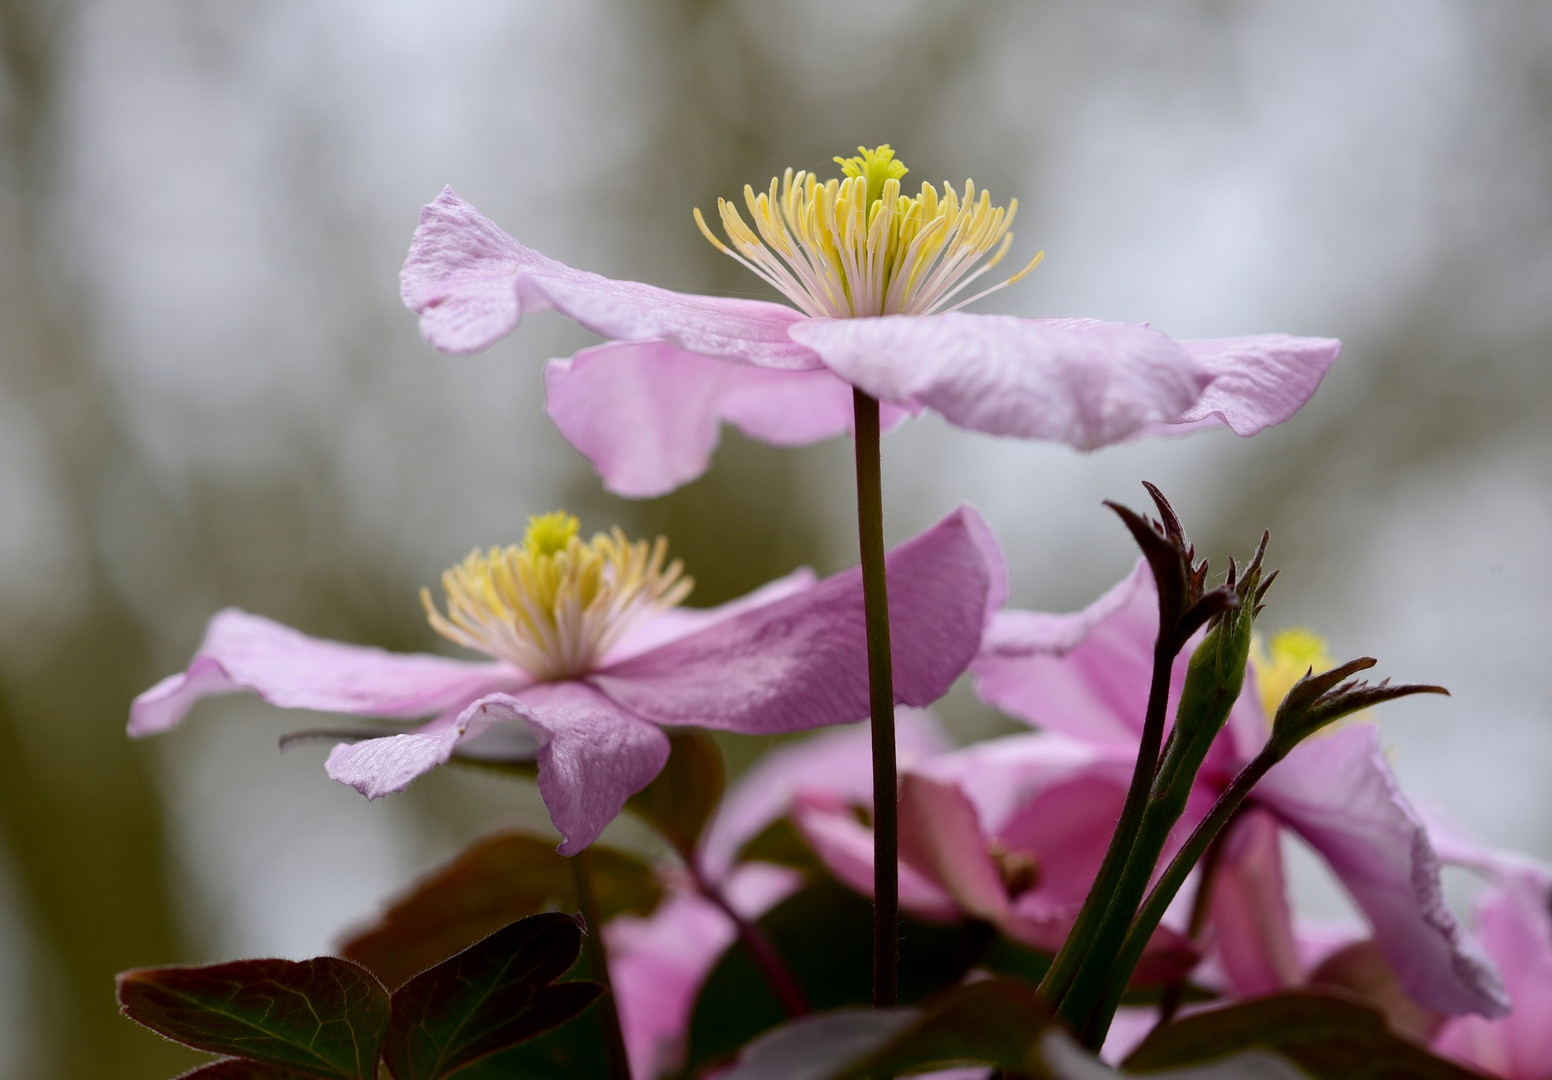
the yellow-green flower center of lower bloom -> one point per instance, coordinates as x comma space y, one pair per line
859, 246
1284, 661
554, 605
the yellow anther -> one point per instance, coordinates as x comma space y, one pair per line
860, 246
1284, 661
554, 605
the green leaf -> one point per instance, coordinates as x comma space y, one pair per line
681, 800
321, 1018
994, 1022
1065, 1060
491, 996
574, 1049
493, 881
825, 933
1330, 1038
242, 1069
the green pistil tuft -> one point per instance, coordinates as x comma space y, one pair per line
550, 533
876, 165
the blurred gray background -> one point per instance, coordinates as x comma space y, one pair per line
210, 395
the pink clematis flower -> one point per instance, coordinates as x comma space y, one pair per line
1010, 832
1086, 675
659, 963
874, 276
589, 656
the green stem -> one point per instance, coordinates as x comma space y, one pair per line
1098, 1021
598, 960
881, 698
1069, 958
1201, 906
1183, 756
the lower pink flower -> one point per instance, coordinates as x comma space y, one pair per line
787, 658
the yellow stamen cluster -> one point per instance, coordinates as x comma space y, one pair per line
554, 605
858, 246
1284, 661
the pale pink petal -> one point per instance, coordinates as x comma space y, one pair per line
1085, 674
1082, 382
593, 755
382, 766
1252, 924
289, 669
470, 283
1258, 381
845, 846
1001, 776
838, 763
1067, 828
941, 836
1338, 793
801, 662
678, 622
658, 964
648, 414
1516, 928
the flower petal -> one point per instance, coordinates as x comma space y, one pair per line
1082, 382
289, 669
378, 767
845, 845
941, 836
676, 622
1085, 674
1258, 381
593, 755
1338, 793
801, 662
657, 964
648, 414
1252, 922
837, 763
1516, 929
470, 283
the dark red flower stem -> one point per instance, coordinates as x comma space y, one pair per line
881, 698
761, 949
598, 960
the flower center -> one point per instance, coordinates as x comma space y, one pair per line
857, 246
1284, 660
554, 605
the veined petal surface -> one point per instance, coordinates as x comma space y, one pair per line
470, 283
1082, 382
294, 671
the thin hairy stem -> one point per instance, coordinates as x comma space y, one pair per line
598, 960
881, 698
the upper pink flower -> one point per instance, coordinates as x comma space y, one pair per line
590, 658
872, 272
1086, 674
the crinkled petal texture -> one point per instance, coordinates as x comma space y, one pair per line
1257, 381
294, 671
1338, 793
801, 662
470, 283
1516, 928
1082, 382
